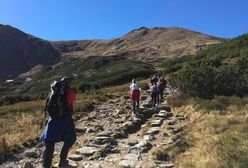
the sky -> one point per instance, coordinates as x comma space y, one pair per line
106, 19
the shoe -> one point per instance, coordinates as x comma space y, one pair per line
63, 164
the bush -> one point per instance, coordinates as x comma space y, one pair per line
221, 70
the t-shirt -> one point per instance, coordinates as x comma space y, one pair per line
134, 86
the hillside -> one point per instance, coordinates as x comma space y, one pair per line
221, 70
146, 44
19, 52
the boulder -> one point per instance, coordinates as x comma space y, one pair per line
127, 164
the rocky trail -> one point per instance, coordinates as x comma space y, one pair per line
110, 136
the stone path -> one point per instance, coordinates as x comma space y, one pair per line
111, 137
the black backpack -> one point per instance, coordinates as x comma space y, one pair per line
56, 104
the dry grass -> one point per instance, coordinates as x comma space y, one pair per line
20, 122
217, 139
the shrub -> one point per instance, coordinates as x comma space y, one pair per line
221, 70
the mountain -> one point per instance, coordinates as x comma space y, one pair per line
93, 63
147, 44
20, 52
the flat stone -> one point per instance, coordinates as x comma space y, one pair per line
153, 131
127, 164
87, 151
106, 133
156, 123
131, 156
171, 165
75, 157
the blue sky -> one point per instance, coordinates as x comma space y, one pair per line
105, 19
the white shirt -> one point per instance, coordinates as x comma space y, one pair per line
134, 86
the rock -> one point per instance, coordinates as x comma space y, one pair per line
127, 164
165, 107
90, 130
176, 130
28, 165
87, 151
75, 157
72, 164
126, 97
31, 153
171, 165
133, 142
105, 140
119, 133
80, 130
141, 147
106, 133
148, 137
131, 156
171, 122
169, 133
152, 131
156, 123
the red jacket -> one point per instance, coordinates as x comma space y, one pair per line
71, 97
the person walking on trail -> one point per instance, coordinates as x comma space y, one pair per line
154, 94
161, 86
135, 95
60, 126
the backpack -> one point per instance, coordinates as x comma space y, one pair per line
56, 104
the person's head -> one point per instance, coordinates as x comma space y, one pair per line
66, 80
133, 81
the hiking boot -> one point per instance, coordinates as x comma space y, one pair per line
63, 164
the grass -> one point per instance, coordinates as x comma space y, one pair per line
217, 133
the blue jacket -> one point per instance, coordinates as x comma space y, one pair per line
60, 129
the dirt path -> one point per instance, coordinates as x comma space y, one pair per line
111, 137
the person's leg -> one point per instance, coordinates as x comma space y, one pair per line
133, 105
48, 154
153, 101
138, 104
63, 156
158, 97
161, 94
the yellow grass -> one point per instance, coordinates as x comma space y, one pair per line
216, 140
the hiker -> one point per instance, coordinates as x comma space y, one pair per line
135, 95
60, 126
154, 94
161, 86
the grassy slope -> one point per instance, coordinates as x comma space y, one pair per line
93, 71
216, 133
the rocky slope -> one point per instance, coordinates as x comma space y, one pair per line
148, 44
110, 137
20, 52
